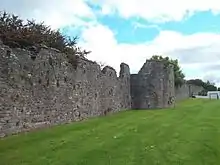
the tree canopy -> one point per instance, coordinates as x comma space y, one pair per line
178, 74
18, 33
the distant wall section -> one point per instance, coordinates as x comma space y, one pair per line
186, 90
153, 86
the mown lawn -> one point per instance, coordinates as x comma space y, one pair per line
186, 135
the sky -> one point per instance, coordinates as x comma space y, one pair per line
131, 31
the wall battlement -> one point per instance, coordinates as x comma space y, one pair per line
47, 90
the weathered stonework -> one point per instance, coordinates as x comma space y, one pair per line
186, 91
153, 86
41, 88
48, 90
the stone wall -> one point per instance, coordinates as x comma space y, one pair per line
40, 88
48, 90
186, 90
153, 86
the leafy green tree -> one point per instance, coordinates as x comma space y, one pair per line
197, 82
178, 74
17, 33
203, 93
210, 86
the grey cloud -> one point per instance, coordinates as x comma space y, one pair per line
213, 78
206, 58
24, 8
196, 55
212, 67
55, 13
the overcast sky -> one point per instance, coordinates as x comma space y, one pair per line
133, 30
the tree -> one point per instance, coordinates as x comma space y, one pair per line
17, 33
196, 82
178, 75
210, 86
202, 93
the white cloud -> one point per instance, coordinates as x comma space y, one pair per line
199, 53
55, 13
196, 53
158, 10
58, 13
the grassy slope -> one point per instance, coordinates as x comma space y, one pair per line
186, 135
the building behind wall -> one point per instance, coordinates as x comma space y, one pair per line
213, 94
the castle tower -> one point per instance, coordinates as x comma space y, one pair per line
153, 86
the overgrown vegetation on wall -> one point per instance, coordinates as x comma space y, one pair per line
178, 74
208, 86
18, 33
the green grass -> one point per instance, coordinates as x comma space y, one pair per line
186, 135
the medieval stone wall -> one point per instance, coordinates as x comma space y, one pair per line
48, 90
41, 88
186, 90
153, 86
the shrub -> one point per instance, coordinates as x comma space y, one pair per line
18, 33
